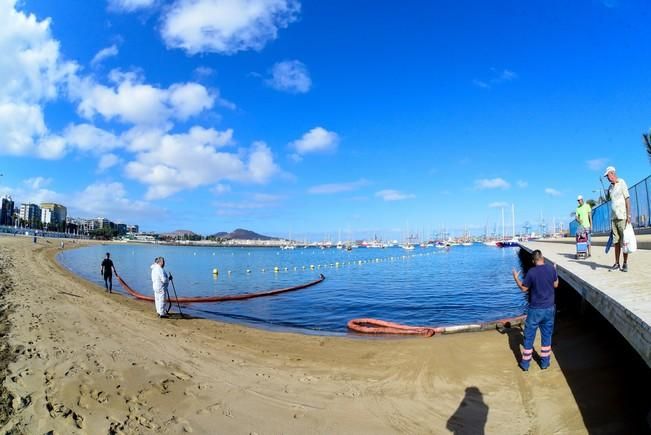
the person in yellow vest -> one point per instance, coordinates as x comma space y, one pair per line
584, 218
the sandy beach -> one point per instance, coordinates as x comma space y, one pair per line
77, 360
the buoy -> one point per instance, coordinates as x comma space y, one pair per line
215, 271
276, 269
311, 266
248, 270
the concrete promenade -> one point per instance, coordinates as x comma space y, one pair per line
623, 298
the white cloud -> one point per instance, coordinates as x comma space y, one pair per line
597, 164
290, 76
109, 200
491, 183
107, 161
189, 99
36, 183
20, 126
261, 166
499, 204
104, 53
316, 140
169, 163
35, 191
337, 187
522, 184
220, 189
204, 71
507, 75
226, 26
87, 137
130, 5
33, 74
496, 77
393, 195
253, 203
132, 101
552, 192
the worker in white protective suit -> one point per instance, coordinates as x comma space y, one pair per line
160, 281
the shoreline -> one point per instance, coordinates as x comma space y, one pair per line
93, 362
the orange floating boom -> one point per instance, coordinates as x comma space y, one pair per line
225, 298
376, 326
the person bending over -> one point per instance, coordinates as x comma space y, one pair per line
539, 282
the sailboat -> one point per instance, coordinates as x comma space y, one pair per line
466, 237
289, 244
514, 242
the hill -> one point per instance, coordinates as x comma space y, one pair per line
241, 234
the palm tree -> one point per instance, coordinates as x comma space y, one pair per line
646, 138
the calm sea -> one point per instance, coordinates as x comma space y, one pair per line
426, 286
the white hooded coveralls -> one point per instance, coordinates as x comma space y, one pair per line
160, 281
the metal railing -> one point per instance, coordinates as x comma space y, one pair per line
640, 210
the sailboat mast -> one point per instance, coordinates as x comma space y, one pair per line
513, 220
503, 234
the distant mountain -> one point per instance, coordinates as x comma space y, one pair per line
242, 234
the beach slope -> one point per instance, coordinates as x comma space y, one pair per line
81, 361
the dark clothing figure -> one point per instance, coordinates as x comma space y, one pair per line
107, 272
540, 282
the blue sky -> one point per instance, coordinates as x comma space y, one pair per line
318, 117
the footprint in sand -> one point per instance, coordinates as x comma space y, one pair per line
308, 379
181, 376
216, 407
59, 410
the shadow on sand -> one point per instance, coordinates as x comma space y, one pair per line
471, 415
516, 339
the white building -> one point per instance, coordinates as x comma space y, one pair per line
52, 213
30, 214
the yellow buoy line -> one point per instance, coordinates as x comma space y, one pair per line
335, 265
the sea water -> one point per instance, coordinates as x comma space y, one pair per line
423, 287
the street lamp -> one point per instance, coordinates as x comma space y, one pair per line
601, 198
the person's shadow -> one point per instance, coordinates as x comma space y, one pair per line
516, 339
471, 415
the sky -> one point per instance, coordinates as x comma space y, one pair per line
316, 119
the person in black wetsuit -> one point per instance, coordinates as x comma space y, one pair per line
107, 271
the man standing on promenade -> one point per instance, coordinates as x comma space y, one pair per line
584, 218
620, 205
540, 282
160, 281
107, 272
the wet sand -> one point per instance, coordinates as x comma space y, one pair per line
82, 361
